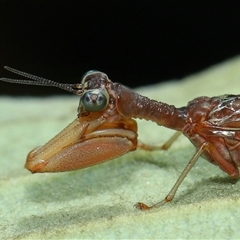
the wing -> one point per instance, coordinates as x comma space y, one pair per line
216, 121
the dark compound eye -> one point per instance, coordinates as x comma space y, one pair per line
94, 101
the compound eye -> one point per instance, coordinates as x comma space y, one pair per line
94, 101
87, 74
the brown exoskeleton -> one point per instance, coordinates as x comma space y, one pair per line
105, 128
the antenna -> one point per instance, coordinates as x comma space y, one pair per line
73, 88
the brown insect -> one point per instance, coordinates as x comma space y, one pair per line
105, 128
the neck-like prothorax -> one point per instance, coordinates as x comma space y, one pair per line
131, 104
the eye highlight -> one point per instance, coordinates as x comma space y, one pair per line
94, 100
90, 72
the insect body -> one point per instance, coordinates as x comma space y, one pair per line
105, 128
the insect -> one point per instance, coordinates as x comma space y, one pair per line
105, 128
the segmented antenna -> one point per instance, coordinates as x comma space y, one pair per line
73, 88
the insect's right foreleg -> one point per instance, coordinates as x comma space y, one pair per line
165, 146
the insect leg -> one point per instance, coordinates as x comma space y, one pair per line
165, 146
171, 194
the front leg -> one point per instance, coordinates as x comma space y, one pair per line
81, 145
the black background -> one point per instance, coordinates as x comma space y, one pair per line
134, 42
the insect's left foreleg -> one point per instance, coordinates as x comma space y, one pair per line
172, 192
